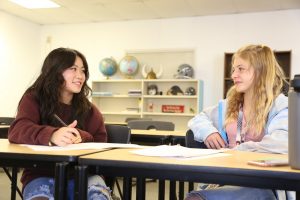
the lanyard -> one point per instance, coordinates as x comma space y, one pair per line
240, 134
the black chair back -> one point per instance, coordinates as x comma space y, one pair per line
6, 120
118, 133
191, 143
115, 134
151, 124
135, 118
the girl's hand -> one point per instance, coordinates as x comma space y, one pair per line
66, 135
215, 141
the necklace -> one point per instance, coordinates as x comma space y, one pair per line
241, 131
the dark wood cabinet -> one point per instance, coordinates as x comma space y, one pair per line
283, 58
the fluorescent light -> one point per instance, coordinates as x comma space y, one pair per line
34, 4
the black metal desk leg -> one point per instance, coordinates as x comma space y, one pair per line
127, 186
14, 182
161, 190
181, 190
172, 190
191, 186
14, 177
140, 188
61, 181
81, 182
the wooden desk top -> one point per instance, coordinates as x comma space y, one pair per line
235, 159
17, 151
4, 126
157, 132
230, 170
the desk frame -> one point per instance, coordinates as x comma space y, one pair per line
17, 156
284, 180
60, 164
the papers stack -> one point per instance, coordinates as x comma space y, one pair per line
135, 92
81, 146
102, 94
176, 151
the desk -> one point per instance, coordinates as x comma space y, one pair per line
164, 137
117, 123
230, 170
15, 155
157, 132
153, 136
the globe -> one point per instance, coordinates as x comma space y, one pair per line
129, 66
108, 67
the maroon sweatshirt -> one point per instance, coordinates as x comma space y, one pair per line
27, 129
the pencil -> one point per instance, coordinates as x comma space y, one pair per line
60, 120
64, 124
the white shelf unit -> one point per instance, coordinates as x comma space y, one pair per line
112, 99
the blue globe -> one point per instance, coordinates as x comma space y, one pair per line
108, 67
129, 66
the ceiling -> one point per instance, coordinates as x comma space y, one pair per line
85, 11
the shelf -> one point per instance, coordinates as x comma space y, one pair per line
283, 58
113, 107
170, 97
169, 114
168, 80
117, 81
120, 113
115, 96
164, 62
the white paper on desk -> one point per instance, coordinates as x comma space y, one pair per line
203, 157
175, 151
81, 146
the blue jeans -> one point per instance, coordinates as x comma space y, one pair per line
44, 187
228, 192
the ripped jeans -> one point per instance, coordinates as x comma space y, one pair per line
44, 187
228, 192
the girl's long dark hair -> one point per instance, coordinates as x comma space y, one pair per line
48, 85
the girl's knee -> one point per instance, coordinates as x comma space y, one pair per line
97, 189
193, 196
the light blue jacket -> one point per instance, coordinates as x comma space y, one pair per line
275, 139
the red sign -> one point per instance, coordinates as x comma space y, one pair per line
172, 108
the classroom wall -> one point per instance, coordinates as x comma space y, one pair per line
20, 53
209, 36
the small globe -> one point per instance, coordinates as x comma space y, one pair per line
108, 67
129, 66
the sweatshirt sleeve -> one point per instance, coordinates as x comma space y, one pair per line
26, 128
95, 128
204, 123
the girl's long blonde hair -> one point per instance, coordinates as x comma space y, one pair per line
268, 83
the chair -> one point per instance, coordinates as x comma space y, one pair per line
191, 143
6, 120
5, 123
149, 124
116, 134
